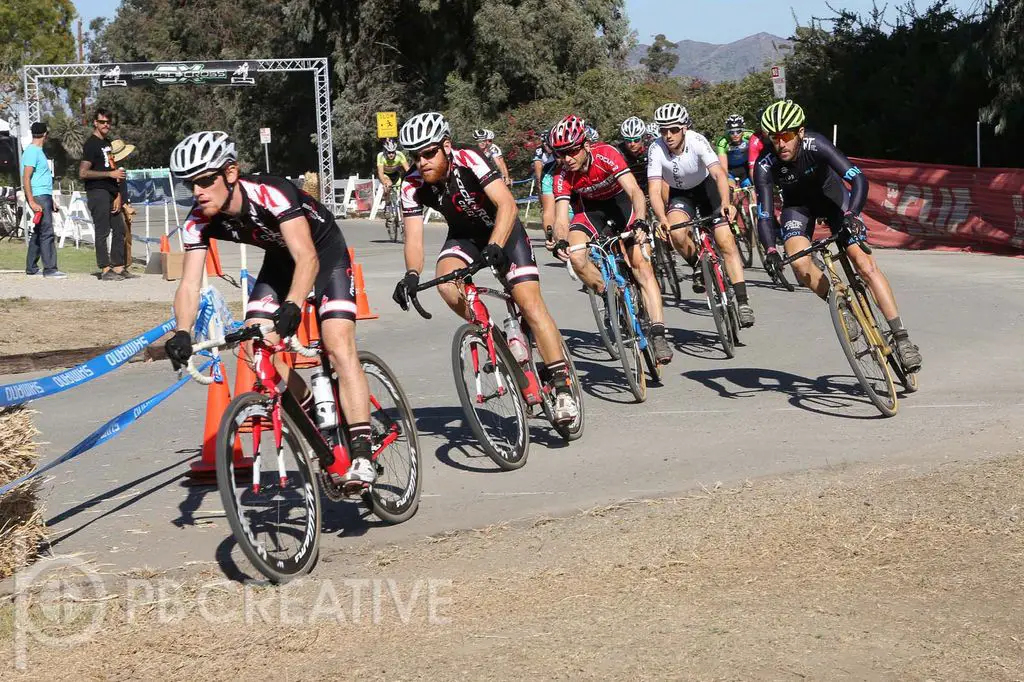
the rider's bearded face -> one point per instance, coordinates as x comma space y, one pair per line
211, 198
432, 162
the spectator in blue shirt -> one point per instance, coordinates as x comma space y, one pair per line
37, 180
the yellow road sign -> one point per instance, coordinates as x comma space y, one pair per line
387, 124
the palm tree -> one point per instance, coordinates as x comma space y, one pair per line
70, 133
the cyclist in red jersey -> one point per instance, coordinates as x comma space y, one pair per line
605, 195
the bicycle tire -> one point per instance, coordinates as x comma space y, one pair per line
597, 305
908, 380
391, 225
645, 324
569, 432
887, 407
515, 453
716, 305
238, 411
660, 266
408, 502
625, 340
743, 245
673, 273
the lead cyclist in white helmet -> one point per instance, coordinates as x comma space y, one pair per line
305, 251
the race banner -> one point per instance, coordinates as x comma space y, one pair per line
930, 206
240, 73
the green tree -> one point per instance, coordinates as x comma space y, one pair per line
1003, 44
33, 32
660, 58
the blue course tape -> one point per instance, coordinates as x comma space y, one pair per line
23, 391
109, 430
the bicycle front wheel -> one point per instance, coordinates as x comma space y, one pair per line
395, 495
597, 304
866, 360
744, 244
274, 508
717, 303
627, 343
491, 399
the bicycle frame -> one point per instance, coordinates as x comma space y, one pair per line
862, 307
607, 259
705, 245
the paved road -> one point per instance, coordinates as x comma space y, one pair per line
784, 404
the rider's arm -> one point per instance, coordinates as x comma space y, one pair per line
636, 195
721, 179
299, 240
764, 184
186, 298
538, 174
501, 196
503, 167
413, 242
562, 196
838, 161
380, 174
654, 192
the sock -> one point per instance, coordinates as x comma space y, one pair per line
896, 325
741, 292
657, 329
559, 373
361, 438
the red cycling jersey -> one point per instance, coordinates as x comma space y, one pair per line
599, 182
754, 149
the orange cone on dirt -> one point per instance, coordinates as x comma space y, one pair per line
363, 311
217, 398
213, 268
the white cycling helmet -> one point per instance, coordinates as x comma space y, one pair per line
423, 130
672, 114
483, 135
203, 152
653, 129
592, 134
633, 128
390, 146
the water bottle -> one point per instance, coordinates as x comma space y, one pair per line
516, 340
325, 409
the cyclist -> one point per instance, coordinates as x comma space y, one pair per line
483, 223
544, 164
596, 180
810, 171
732, 149
392, 165
684, 161
634, 149
492, 152
305, 251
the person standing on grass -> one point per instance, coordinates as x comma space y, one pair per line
101, 176
37, 179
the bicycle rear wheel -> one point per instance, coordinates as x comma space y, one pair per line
569, 432
627, 343
645, 325
866, 360
395, 496
391, 224
908, 380
490, 397
597, 304
717, 303
743, 244
274, 509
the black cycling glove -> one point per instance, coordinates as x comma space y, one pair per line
406, 286
287, 320
494, 255
179, 348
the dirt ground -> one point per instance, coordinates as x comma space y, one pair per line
83, 324
853, 574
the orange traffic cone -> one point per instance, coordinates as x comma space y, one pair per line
362, 303
217, 399
309, 331
213, 268
165, 244
245, 381
351, 255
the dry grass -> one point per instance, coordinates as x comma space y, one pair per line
21, 522
875, 575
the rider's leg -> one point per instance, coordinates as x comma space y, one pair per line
644, 274
797, 226
456, 254
682, 242
580, 233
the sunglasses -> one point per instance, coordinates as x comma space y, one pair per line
203, 181
632, 139
427, 153
103, 121
783, 137
734, 131
573, 151
671, 131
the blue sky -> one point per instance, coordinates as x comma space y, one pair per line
711, 21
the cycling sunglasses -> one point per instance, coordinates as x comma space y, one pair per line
671, 131
783, 137
562, 153
203, 181
428, 153
633, 139
734, 131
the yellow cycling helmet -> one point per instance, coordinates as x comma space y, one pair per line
782, 115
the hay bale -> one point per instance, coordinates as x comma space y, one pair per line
21, 519
311, 184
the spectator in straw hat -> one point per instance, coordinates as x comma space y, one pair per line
120, 150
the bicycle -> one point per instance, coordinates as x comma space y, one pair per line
280, 542
745, 236
392, 215
664, 262
719, 290
626, 313
480, 355
10, 215
858, 324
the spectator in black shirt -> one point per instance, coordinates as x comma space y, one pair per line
101, 177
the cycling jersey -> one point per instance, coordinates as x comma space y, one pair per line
685, 170
812, 187
637, 163
757, 146
736, 155
492, 152
393, 167
598, 183
267, 202
547, 160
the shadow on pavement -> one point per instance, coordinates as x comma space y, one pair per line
603, 381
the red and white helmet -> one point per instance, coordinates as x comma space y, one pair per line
570, 132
